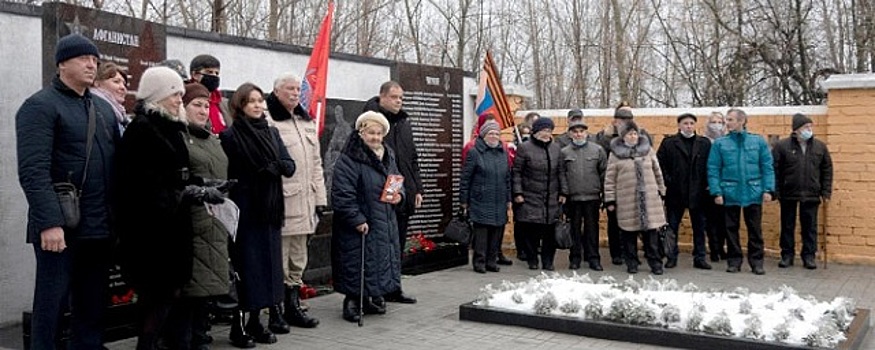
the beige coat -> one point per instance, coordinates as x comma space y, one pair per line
622, 186
306, 189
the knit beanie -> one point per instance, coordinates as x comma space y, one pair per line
799, 120
74, 45
157, 83
368, 118
193, 91
541, 124
489, 125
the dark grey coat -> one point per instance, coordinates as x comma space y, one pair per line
51, 129
802, 177
359, 178
582, 172
485, 184
536, 178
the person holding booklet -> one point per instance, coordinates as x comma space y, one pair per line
364, 194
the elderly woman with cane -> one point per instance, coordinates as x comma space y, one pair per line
364, 247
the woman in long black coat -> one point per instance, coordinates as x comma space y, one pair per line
359, 178
154, 206
258, 161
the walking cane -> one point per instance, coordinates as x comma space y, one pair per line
362, 286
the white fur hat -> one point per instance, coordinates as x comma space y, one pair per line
159, 82
371, 116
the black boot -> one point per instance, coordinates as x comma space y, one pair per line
294, 314
257, 331
375, 306
239, 337
351, 309
275, 322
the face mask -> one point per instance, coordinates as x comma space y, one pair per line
716, 127
629, 144
492, 144
579, 142
806, 134
688, 135
211, 82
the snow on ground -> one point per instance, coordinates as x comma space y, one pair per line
778, 315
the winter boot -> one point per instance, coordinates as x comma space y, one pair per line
239, 337
351, 309
294, 315
275, 322
255, 329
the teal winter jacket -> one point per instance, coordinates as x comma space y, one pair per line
740, 169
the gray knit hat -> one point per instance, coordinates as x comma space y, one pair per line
489, 125
157, 83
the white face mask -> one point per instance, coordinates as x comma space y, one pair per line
806, 134
492, 144
716, 127
689, 134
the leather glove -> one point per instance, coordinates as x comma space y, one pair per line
222, 185
212, 195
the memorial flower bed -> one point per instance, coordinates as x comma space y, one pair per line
780, 315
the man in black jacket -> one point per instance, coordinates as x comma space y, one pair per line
400, 139
684, 162
51, 128
803, 174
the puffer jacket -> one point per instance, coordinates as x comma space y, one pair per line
634, 185
485, 184
209, 271
740, 169
359, 179
582, 171
536, 178
51, 131
802, 177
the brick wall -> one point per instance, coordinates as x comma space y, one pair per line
849, 220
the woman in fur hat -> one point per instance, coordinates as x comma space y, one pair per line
634, 189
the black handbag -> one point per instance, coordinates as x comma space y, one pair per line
68, 194
563, 232
667, 241
459, 229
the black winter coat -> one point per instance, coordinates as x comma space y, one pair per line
155, 228
359, 178
51, 129
485, 184
685, 171
536, 178
802, 177
257, 252
400, 140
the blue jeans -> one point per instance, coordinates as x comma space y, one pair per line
75, 279
674, 214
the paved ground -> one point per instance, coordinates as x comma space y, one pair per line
434, 323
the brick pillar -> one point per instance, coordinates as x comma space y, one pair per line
849, 219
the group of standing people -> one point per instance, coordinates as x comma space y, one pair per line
200, 197
645, 191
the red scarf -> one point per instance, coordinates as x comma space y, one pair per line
216, 118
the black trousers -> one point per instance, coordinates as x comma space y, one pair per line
519, 241
588, 241
403, 224
674, 215
715, 225
753, 220
615, 241
155, 306
650, 238
188, 323
808, 221
487, 244
539, 236
75, 279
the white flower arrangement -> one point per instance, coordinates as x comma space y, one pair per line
778, 315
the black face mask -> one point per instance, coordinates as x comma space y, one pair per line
211, 82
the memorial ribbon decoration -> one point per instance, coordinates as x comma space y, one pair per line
490, 95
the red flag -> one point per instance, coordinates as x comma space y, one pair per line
316, 77
490, 95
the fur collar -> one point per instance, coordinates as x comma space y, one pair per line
621, 150
357, 150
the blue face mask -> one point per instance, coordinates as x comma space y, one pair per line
579, 142
806, 134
